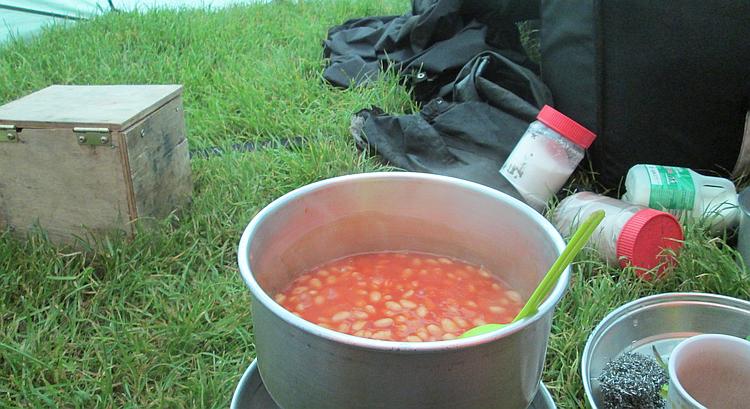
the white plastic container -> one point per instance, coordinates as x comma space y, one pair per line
709, 371
684, 193
546, 156
628, 235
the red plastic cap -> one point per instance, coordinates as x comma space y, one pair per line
566, 126
644, 238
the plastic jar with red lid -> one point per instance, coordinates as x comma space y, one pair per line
629, 234
545, 156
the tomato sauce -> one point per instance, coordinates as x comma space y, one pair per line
400, 296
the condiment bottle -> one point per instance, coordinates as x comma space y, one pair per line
628, 235
685, 194
546, 156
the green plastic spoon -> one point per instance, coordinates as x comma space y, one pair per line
576, 243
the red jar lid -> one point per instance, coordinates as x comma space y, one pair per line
644, 238
566, 127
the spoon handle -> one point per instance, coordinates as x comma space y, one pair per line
576, 243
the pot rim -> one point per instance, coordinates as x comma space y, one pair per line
395, 346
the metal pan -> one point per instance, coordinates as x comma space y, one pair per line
659, 321
252, 394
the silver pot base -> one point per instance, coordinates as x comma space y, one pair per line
252, 394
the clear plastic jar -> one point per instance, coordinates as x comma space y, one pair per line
546, 156
628, 235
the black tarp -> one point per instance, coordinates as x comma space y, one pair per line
465, 63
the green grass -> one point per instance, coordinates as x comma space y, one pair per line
164, 320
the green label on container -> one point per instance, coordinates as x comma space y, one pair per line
671, 188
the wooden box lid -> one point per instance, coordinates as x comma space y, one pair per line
115, 107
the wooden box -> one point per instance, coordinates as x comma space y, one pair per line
76, 160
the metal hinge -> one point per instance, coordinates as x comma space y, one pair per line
93, 136
8, 133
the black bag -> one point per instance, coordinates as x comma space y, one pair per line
468, 130
660, 82
465, 64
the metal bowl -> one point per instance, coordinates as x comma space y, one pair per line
660, 321
307, 366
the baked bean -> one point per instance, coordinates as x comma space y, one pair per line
497, 309
383, 322
513, 296
407, 304
384, 335
360, 315
340, 316
358, 325
434, 330
478, 321
448, 325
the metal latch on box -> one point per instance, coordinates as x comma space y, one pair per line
93, 136
8, 133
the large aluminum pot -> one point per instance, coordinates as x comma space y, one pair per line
305, 366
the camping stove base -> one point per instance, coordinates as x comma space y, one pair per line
252, 394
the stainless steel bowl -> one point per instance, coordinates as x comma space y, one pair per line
660, 321
307, 366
